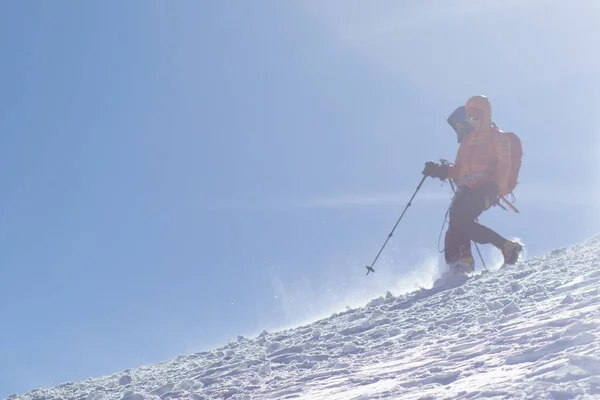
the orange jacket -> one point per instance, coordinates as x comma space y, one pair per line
483, 155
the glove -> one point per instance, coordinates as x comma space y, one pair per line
436, 170
431, 169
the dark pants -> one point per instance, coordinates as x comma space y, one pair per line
468, 204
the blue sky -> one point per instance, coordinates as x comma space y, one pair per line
177, 175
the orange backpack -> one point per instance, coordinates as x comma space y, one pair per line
516, 152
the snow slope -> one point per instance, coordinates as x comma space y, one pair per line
524, 332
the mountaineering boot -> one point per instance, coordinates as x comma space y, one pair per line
511, 252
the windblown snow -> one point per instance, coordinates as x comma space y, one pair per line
529, 331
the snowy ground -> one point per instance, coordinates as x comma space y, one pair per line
526, 332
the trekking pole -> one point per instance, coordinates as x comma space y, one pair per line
477, 247
370, 268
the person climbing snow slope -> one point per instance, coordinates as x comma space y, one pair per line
483, 171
